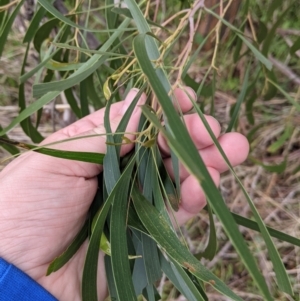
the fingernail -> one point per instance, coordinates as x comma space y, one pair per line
128, 100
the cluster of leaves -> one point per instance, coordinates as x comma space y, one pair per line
129, 219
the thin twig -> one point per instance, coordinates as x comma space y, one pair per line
217, 30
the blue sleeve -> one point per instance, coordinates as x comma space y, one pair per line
15, 285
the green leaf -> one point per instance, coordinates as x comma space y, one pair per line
277, 168
118, 220
122, 11
110, 279
5, 31
239, 101
111, 170
288, 97
26, 124
163, 234
34, 25
119, 249
3, 14
281, 274
262, 32
89, 277
171, 194
43, 33
96, 158
139, 277
55, 88
287, 134
153, 52
83, 98
62, 259
151, 293
46, 55
89, 157
79, 75
178, 276
272, 32
160, 194
72, 102
250, 135
143, 28
240, 220
295, 47
269, 90
249, 110
124, 121
245, 222
30, 110
151, 260
33, 71
53, 11
275, 4
92, 93
110, 15
205, 91
87, 51
126, 12
147, 175
181, 143
83, 72
60, 66
211, 249
238, 47
193, 58
8, 147
256, 52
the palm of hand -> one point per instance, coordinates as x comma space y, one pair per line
43, 218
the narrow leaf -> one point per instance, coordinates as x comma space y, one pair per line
295, 47
34, 25
181, 143
70, 155
26, 124
211, 249
5, 31
245, 222
281, 274
180, 279
239, 101
89, 277
83, 72
277, 168
30, 110
8, 147
164, 235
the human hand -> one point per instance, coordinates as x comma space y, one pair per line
44, 200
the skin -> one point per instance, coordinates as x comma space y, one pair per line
44, 200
